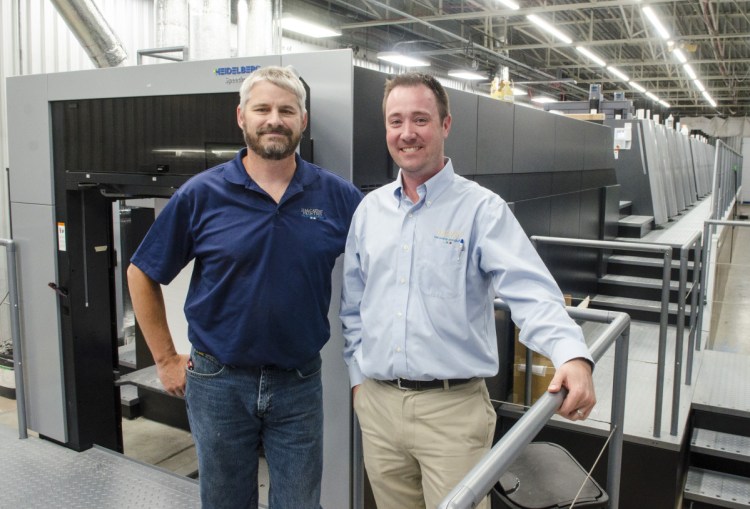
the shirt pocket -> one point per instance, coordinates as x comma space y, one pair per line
441, 270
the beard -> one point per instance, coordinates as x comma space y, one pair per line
274, 150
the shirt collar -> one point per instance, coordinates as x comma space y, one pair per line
234, 172
431, 189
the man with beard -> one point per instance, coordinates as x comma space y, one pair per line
264, 231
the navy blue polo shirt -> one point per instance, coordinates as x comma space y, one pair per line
261, 283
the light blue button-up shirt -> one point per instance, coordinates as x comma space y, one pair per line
420, 279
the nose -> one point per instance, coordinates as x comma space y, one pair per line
274, 117
408, 132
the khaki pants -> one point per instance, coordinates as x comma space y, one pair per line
418, 445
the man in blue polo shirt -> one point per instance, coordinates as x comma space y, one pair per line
264, 231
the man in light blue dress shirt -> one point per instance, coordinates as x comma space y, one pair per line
425, 257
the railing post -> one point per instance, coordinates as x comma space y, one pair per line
15, 331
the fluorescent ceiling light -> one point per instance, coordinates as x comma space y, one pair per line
680, 56
699, 85
519, 91
549, 28
395, 57
509, 4
637, 87
654, 19
617, 72
690, 72
307, 28
591, 56
665, 104
709, 99
652, 97
466, 74
543, 99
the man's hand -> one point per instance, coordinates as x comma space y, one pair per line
354, 392
171, 372
575, 375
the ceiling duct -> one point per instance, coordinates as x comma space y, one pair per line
258, 28
172, 23
209, 29
92, 31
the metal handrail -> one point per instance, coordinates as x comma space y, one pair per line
725, 161
692, 243
666, 252
15, 331
475, 486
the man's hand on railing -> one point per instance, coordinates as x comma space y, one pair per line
575, 375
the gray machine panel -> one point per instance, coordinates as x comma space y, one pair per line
201, 76
28, 138
461, 145
598, 136
494, 136
34, 231
569, 140
532, 129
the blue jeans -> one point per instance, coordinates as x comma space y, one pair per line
233, 411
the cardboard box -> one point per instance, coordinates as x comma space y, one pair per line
542, 370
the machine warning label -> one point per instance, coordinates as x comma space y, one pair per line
61, 245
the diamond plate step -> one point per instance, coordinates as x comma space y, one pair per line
722, 445
717, 489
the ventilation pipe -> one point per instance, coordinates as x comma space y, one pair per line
172, 23
258, 27
209, 29
92, 31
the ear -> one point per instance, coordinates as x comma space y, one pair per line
447, 125
304, 121
240, 120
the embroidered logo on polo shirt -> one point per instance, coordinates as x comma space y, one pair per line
313, 213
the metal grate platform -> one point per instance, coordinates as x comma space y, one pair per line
717, 489
40, 474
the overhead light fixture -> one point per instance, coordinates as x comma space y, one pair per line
598, 61
636, 86
690, 72
549, 28
680, 56
652, 97
465, 74
617, 72
509, 4
709, 98
699, 85
307, 28
543, 99
654, 19
519, 91
665, 104
397, 58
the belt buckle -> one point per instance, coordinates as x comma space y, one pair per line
398, 384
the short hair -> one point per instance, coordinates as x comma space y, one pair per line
413, 79
283, 77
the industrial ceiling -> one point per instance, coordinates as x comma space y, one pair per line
713, 36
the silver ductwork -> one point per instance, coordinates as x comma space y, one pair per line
258, 28
92, 31
172, 23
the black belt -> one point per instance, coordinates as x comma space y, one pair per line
421, 385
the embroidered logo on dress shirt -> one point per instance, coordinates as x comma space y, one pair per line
313, 213
449, 236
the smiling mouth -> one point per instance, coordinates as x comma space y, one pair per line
410, 150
